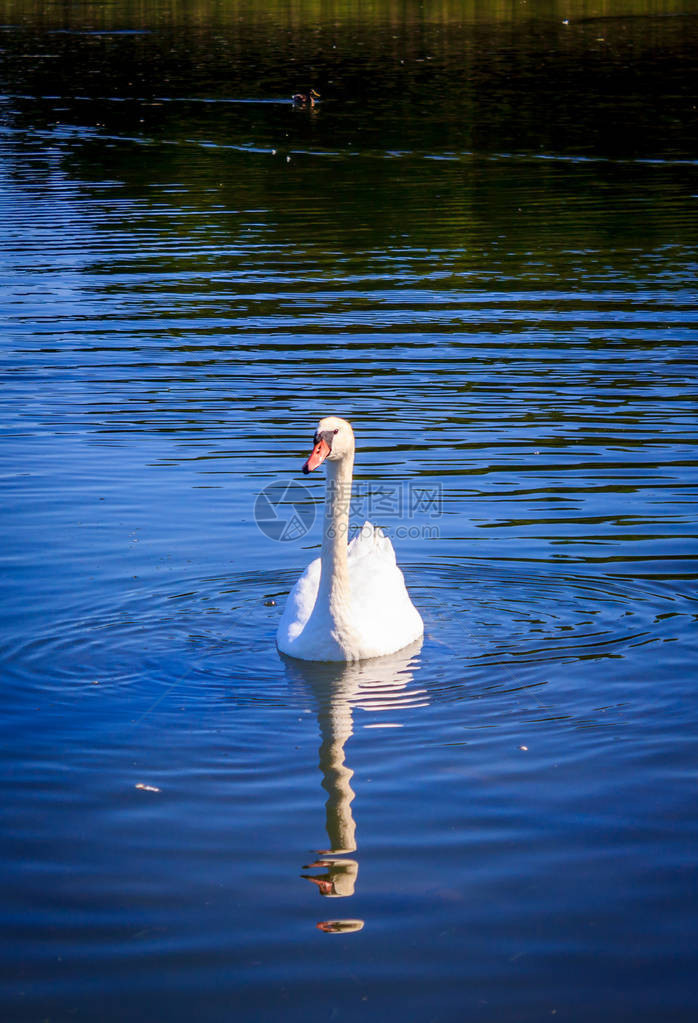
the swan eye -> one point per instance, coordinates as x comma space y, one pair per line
336, 431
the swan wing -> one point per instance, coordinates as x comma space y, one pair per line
299, 606
383, 614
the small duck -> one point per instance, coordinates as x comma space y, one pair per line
305, 99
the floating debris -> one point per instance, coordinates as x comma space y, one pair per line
147, 788
339, 926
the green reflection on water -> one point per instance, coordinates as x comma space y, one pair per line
137, 12
596, 79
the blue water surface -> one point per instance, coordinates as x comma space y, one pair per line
498, 824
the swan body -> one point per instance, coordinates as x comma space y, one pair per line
350, 603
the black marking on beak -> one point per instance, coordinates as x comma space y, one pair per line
326, 435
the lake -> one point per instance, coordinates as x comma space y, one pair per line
480, 245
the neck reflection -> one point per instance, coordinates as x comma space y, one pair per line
383, 684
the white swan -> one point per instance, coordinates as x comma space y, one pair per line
351, 602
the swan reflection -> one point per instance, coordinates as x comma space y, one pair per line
382, 684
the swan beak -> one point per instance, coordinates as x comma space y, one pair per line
317, 456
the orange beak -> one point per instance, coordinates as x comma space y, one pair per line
317, 456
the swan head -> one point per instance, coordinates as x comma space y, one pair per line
334, 440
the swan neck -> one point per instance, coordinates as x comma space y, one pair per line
335, 572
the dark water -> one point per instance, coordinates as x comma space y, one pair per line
481, 248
